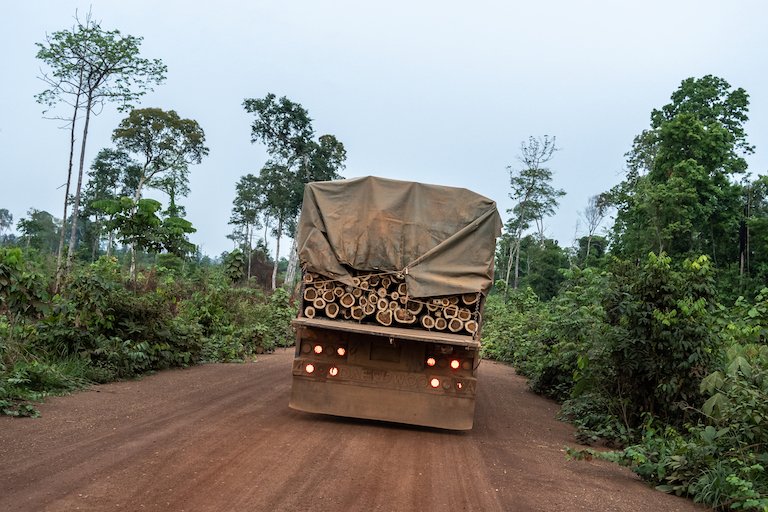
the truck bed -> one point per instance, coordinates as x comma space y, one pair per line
389, 332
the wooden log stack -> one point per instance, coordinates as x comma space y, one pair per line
383, 299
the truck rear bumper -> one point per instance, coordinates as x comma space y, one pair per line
386, 404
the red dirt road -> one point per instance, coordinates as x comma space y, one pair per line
221, 438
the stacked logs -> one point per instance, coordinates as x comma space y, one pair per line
383, 299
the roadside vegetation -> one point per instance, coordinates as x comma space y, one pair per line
653, 335
105, 325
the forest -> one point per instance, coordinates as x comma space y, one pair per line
652, 333
651, 330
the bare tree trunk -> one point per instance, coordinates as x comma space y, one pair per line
62, 234
96, 240
136, 197
517, 264
132, 268
249, 235
277, 253
290, 273
110, 240
509, 266
76, 206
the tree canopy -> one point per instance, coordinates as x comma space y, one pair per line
88, 67
285, 128
680, 194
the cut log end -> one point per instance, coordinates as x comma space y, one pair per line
384, 317
455, 325
310, 294
470, 298
332, 310
347, 300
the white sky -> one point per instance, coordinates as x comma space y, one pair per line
434, 91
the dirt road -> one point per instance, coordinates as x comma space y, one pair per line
222, 438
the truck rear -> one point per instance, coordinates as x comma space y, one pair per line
394, 280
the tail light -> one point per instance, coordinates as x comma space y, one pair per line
333, 371
455, 363
309, 368
435, 383
318, 349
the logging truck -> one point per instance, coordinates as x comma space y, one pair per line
394, 278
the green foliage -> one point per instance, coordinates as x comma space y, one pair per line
137, 223
162, 139
509, 323
22, 286
543, 262
679, 196
103, 65
39, 231
648, 361
661, 342
234, 266
707, 463
547, 341
100, 330
237, 322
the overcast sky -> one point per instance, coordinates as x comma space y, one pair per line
435, 91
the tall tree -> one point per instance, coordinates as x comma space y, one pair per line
680, 194
543, 262
39, 230
593, 215
246, 208
113, 174
89, 67
533, 194
6, 223
165, 144
285, 128
753, 232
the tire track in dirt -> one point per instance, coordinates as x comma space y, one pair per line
221, 437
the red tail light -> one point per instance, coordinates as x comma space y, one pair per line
455, 364
309, 368
435, 383
341, 351
318, 349
431, 361
333, 371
